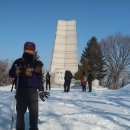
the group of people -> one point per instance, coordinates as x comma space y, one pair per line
29, 84
83, 81
86, 79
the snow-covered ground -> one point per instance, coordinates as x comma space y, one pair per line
102, 109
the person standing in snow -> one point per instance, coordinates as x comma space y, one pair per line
67, 80
90, 79
48, 82
83, 80
28, 72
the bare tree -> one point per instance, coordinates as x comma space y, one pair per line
4, 68
116, 49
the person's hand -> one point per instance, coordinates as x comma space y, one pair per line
46, 94
40, 93
43, 95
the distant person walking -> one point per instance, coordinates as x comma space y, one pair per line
90, 79
48, 82
83, 80
67, 80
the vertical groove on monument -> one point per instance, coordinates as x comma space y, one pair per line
64, 55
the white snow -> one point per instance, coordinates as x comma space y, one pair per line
102, 109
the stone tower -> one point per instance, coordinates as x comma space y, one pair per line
64, 54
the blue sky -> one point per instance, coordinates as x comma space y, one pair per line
36, 20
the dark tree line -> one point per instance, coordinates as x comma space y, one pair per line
93, 60
109, 60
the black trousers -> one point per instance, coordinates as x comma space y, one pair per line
27, 98
90, 86
67, 86
48, 83
83, 88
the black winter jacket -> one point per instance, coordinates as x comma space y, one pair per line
68, 76
35, 81
90, 78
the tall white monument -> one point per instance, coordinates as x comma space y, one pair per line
64, 54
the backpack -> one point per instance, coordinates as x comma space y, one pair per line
68, 76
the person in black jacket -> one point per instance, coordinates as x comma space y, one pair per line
90, 79
67, 80
48, 82
28, 72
